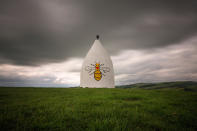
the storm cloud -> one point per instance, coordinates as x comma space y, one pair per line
173, 63
37, 33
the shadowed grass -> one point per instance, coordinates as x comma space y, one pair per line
97, 109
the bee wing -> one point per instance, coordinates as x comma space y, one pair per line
105, 69
89, 69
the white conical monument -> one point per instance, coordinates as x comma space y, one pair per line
97, 69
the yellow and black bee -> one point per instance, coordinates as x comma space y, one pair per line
98, 70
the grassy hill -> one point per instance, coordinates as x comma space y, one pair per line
186, 85
136, 108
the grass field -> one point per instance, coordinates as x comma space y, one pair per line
97, 109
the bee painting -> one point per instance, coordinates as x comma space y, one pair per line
98, 70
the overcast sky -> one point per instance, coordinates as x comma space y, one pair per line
44, 42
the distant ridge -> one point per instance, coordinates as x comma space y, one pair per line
186, 85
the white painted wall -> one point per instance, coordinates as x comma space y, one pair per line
97, 54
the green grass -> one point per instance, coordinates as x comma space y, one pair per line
97, 109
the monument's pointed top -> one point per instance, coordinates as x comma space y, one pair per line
97, 50
97, 37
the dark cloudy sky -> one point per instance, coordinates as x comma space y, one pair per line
43, 42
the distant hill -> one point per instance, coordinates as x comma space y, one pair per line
186, 85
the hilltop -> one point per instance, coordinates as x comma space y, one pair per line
143, 106
186, 85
